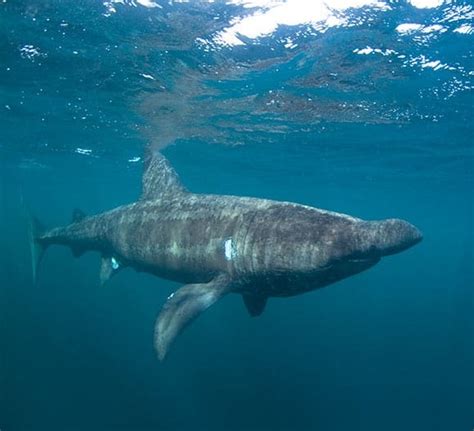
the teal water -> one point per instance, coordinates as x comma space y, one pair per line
365, 111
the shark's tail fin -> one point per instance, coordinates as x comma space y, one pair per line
37, 248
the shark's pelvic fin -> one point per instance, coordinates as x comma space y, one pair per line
109, 266
183, 306
159, 178
255, 304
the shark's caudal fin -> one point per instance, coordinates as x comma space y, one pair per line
182, 307
37, 249
160, 180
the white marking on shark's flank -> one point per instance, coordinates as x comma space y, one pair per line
228, 249
115, 264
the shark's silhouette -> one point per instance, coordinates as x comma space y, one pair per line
216, 245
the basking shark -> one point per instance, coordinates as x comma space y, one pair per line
216, 245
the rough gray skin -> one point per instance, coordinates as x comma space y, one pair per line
219, 244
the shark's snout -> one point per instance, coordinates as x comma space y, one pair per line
392, 236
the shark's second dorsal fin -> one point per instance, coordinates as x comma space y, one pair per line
159, 178
78, 215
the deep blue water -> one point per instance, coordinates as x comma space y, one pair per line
365, 111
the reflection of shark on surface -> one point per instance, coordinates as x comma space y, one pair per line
226, 244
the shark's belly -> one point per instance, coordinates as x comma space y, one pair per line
282, 285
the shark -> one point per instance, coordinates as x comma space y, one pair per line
216, 245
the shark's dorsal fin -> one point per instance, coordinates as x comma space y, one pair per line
78, 215
160, 180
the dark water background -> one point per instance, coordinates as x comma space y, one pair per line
389, 349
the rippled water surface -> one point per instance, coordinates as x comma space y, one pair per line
358, 106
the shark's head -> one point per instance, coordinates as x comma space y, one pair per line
384, 237
366, 242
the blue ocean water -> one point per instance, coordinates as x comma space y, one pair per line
363, 108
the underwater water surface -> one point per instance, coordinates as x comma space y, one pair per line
362, 107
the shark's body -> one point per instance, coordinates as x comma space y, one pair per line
220, 244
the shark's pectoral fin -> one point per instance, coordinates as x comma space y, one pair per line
255, 303
183, 306
159, 178
108, 267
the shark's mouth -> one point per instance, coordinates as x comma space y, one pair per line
352, 265
364, 260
